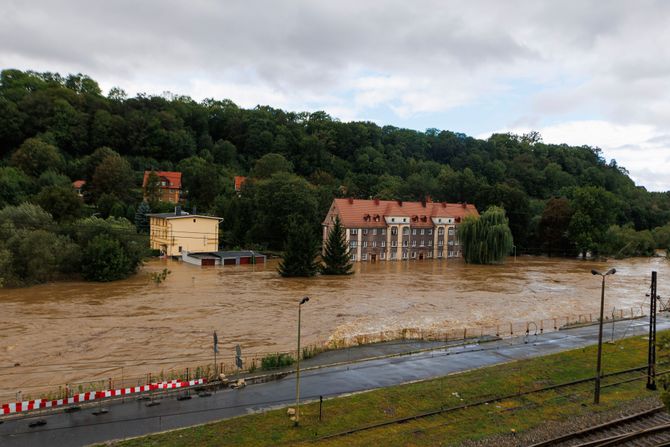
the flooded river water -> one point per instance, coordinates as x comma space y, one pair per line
70, 332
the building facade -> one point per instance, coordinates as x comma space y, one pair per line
178, 232
169, 186
384, 230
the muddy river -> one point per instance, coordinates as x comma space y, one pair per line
73, 332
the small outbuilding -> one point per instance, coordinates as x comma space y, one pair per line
224, 258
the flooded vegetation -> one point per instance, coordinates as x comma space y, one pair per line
73, 331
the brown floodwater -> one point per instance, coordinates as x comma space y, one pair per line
71, 332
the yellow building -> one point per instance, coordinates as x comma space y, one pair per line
174, 233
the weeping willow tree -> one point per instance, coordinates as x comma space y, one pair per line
486, 239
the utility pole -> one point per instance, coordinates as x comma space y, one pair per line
651, 369
297, 377
596, 393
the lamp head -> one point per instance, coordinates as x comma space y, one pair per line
304, 300
611, 271
595, 272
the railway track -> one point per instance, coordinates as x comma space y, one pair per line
649, 428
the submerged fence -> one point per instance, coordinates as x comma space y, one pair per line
263, 362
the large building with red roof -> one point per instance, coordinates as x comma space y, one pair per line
380, 230
170, 185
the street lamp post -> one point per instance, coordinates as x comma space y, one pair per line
297, 372
596, 394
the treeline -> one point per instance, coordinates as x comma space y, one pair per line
560, 200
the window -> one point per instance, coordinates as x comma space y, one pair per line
404, 255
430, 243
393, 255
352, 244
365, 231
439, 253
440, 243
413, 254
393, 243
193, 220
414, 232
394, 231
365, 244
364, 257
382, 255
440, 231
383, 231
353, 232
451, 242
393, 219
413, 242
404, 243
353, 257
451, 254
383, 244
374, 232
374, 244
180, 249
405, 231
451, 231
430, 232
422, 232
422, 243
430, 254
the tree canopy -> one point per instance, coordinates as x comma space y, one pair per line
55, 129
486, 239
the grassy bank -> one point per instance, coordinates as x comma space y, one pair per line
522, 413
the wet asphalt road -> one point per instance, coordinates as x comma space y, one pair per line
133, 418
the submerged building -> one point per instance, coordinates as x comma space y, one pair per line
380, 230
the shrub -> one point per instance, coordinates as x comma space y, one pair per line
274, 361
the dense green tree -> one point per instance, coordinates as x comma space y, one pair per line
61, 202
152, 188
595, 210
277, 201
104, 259
336, 256
39, 255
486, 239
270, 164
554, 227
15, 186
622, 242
35, 156
300, 251
141, 218
113, 176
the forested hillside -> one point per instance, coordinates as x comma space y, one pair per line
54, 129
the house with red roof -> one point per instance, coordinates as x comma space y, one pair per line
169, 184
381, 230
239, 181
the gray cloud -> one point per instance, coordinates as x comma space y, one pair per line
591, 59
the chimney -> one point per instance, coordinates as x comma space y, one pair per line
177, 210
376, 201
444, 204
351, 200
399, 202
464, 204
429, 199
423, 203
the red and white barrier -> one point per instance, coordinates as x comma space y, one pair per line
36, 404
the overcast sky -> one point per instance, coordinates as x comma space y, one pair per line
579, 72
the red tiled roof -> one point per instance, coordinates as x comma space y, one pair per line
239, 181
357, 213
77, 184
173, 179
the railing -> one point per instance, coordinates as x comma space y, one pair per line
116, 376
